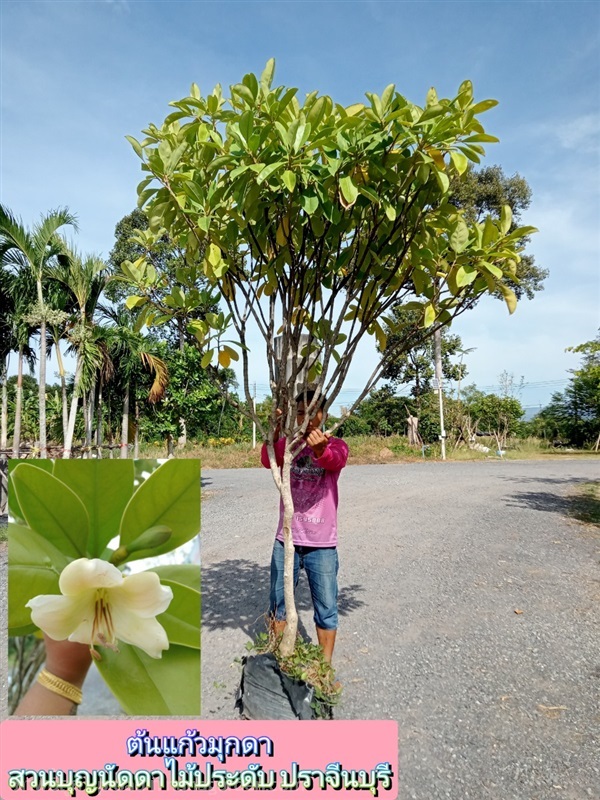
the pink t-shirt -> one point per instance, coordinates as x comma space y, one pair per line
314, 491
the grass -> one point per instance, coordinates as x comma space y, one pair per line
585, 503
370, 450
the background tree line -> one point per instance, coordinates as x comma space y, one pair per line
131, 385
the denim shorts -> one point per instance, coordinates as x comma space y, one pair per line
321, 566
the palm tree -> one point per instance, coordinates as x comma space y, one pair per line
23, 298
130, 350
36, 250
85, 277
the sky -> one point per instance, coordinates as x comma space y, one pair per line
77, 77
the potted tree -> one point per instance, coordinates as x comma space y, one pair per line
313, 220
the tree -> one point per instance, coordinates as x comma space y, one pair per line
85, 277
131, 352
36, 250
133, 245
498, 416
485, 192
315, 220
574, 415
416, 367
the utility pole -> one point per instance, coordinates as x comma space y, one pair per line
437, 344
253, 421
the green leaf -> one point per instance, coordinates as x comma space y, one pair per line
429, 317
171, 497
136, 146
419, 279
104, 487
181, 620
442, 179
505, 219
317, 112
267, 171
460, 161
266, 79
510, 298
348, 189
390, 211
465, 276
309, 201
460, 236
206, 359
134, 301
52, 509
34, 567
490, 232
144, 686
186, 574
484, 105
246, 124
496, 271
432, 98
289, 178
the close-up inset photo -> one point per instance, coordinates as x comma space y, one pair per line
104, 599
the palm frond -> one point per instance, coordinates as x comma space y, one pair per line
161, 375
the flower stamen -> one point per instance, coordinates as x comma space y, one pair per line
103, 631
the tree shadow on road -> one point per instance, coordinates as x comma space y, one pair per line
546, 481
235, 594
540, 501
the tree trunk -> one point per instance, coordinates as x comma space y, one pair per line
89, 422
182, 440
136, 439
42, 387
63, 387
437, 342
4, 424
99, 420
125, 424
414, 439
170, 446
288, 641
85, 411
73, 413
18, 406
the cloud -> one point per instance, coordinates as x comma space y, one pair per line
123, 6
580, 133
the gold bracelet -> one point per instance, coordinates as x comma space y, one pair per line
58, 686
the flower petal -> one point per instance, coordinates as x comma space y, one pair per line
142, 594
59, 616
88, 573
147, 634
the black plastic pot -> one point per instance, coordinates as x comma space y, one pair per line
266, 692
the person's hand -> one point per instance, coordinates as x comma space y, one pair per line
317, 441
68, 660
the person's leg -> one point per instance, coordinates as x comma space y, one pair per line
321, 565
277, 600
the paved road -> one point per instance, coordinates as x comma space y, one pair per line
435, 559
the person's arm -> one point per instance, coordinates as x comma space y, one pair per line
68, 661
331, 454
279, 446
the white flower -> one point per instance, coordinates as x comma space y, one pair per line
100, 605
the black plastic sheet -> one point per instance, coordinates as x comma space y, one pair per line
268, 693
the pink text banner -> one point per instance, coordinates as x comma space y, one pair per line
167, 758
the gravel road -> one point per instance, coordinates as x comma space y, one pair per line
435, 561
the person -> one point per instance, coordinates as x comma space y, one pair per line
57, 691
314, 483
